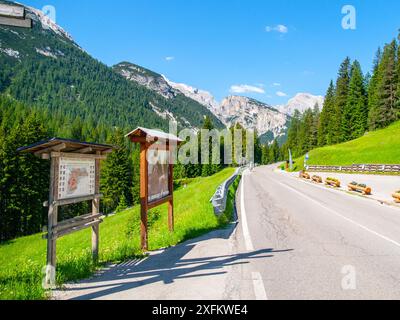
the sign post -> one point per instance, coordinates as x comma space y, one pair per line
156, 174
306, 158
74, 178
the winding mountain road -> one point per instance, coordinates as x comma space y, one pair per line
293, 240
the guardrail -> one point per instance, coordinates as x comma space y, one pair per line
221, 195
371, 168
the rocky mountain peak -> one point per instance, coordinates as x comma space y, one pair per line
301, 102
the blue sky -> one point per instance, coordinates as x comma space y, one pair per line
267, 49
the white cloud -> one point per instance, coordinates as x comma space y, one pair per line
169, 58
245, 88
276, 84
279, 28
281, 94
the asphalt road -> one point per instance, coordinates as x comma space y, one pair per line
294, 240
341, 246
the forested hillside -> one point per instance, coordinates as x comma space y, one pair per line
47, 69
50, 87
354, 105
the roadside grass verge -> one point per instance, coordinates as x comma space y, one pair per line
377, 147
22, 260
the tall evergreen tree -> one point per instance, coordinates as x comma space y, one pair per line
342, 89
116, 178
355, 114
385, 110
326, 128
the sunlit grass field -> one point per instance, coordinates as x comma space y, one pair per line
378, 147
22, 260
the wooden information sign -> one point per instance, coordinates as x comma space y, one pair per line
156, 174
74, 178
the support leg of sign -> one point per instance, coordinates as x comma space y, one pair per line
95, 211
144, 228
50, 277
144, 185
171, 190
171, 215
95, 231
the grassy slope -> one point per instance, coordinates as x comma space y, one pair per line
21, 260
378, 147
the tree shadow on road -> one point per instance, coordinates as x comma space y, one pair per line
166, 267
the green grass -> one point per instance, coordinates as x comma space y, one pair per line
22, 260
378, 147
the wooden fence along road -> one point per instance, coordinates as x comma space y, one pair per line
366, 168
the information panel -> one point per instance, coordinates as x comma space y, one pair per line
158, 175
77, 178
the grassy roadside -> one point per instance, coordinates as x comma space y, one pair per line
22, 260
378, 147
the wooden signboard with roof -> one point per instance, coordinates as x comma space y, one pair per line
156, 174
74, 178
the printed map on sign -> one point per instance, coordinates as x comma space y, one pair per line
76, 178
158, 175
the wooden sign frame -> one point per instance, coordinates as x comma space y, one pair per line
55, 150
158, 140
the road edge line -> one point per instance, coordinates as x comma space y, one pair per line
245, 226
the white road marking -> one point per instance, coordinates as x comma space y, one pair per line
339, 215
258, 285
245, 226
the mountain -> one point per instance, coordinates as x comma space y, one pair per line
194, 100
252, 114
201, 96
301, 102
46, 69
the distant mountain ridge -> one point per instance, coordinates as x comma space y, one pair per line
269, 121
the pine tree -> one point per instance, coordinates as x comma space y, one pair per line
398, 78
355, 113
274, 152
373, 93
326, 127
342, 89
314, 126
265, 157
293, 132
116, 178
385, 111
24, 180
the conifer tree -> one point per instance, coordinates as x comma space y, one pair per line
385, 111
342, 89
325, 130
116, 177
355, 114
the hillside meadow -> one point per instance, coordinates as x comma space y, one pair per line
22, 260
377, 147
